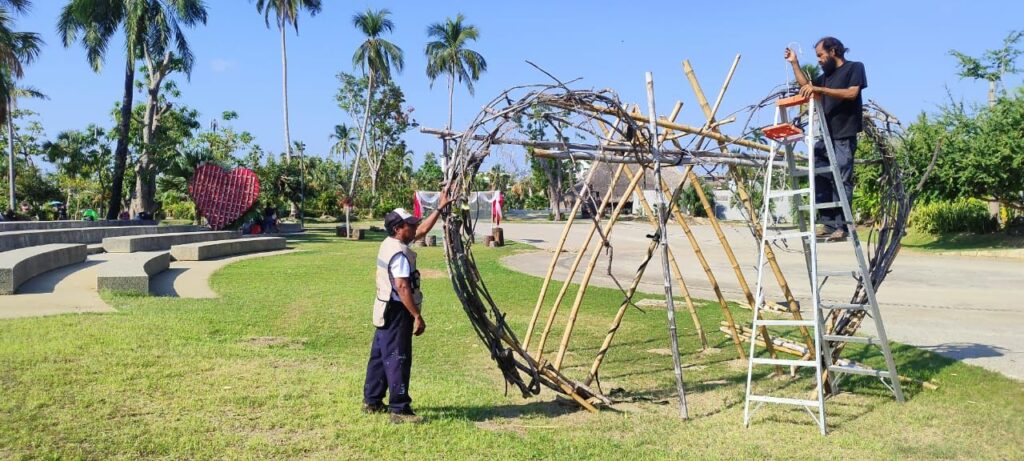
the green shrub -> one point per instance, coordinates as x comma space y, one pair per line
961, 215
179, 210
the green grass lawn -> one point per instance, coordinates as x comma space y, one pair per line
274, 368
962, 241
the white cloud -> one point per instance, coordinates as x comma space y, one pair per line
220, 65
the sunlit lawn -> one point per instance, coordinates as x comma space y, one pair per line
274, 369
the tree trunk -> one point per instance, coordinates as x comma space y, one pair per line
284, 93
145, 177
121, 150
359, 149
451, 97
10, 154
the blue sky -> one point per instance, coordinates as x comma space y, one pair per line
903, 45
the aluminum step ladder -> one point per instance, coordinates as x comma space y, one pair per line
784, 135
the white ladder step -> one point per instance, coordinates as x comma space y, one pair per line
784, 323
783, 400
821, 206
783, 362
788, 192
802, 171
842, 306
790, 235
850, 339
859, 371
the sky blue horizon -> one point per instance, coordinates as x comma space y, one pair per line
904, 46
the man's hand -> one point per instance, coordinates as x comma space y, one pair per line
807, 91
418, 326
791, 56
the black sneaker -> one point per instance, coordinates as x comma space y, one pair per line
405, 417
374, 408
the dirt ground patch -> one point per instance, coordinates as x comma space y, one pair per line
275, 341
432, 274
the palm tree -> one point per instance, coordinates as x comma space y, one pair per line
375, 57
96, 21
286, 13
17, 49
448, 55
344, 140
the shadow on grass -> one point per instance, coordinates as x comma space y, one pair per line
549, 409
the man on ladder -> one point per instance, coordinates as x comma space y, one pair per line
839, 90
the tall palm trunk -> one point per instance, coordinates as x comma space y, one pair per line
359, 150
121, 150
284, 92
10, 153
451, 96
287, 129
145, 189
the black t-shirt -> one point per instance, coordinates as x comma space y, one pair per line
844, 117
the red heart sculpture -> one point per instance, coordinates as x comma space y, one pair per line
222, 196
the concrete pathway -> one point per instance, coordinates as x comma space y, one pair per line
967, 308
72, 289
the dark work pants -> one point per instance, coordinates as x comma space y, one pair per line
391, 360
824, 185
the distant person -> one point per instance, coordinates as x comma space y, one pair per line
124, 215
839, 88
397, 314
269, 219
62, 212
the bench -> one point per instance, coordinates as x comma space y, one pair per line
207, 250
28, 238
131, 273
19, 266
12, 226
159, 242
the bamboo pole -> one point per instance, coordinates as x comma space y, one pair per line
663, 243
554, 258
617, 322
741, 190
673, 126
585, 282
709, 113
675, 267
681, 220
576, 263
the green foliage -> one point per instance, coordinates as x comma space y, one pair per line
429, 176
962, 215
690, 201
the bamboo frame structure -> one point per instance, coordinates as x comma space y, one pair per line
603, 130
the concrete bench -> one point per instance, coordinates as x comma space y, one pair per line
208, 250
131, 273
28, 238
289, 228
158, 242
18, 266
12, 226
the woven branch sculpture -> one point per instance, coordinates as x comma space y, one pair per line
596, 127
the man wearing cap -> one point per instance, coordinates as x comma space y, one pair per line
397, 315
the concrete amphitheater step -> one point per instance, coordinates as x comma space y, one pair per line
20, 265
131, 273
12, 226
207, 250
133, 243
27, 238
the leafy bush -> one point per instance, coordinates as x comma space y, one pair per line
962, 215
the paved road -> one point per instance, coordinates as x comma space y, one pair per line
966, 308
